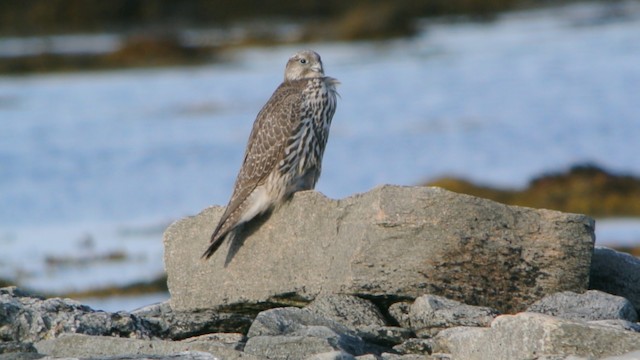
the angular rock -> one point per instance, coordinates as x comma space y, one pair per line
13, 350
184, 355
360, 316
318, 340
619, 324
415, 346
299, 331
367, 357
392, 242
230, 340
430, 313
287, 347
26, 318
177, 325
332, 355
348, 310
440, 356
22, 356
563, 357
16, 347
591, 305
616, 273
286, 321
634, 355
84, 346
400, 313
384, 335
391, 356
532, 335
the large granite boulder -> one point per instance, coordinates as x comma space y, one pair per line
392, 243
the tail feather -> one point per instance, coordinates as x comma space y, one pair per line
217, 238
240, 210
215, 244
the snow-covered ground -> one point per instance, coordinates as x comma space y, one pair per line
95, 165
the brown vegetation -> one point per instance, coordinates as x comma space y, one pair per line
35, 17
157, 50
584, 189
143, 50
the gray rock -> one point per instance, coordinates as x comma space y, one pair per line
15, 346
84, 346
184, 355
391, 356
393, 242
340, 341
26, 318
360, 316
592, 305
298, 346
618, 324
532, 335
367, 357
283, 327
634, 355
415, 346
301, 333
384, 335
440, 356
332, 355
400, 313
12, 350
177, 325
289, 320
430, 313
21, 356
563, 357
229, 340
348, 310
616, 273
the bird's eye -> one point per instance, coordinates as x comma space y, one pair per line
303, 61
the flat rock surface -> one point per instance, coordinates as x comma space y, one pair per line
399, 242
591, 305
530, 335
430, 314
84, 346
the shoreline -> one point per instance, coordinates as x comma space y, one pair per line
202, 44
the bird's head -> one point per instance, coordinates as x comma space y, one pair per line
303, 65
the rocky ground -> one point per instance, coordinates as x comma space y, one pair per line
591, 325
396, 273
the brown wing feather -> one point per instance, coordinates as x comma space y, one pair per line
272, 127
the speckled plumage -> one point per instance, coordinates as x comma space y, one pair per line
286, 145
